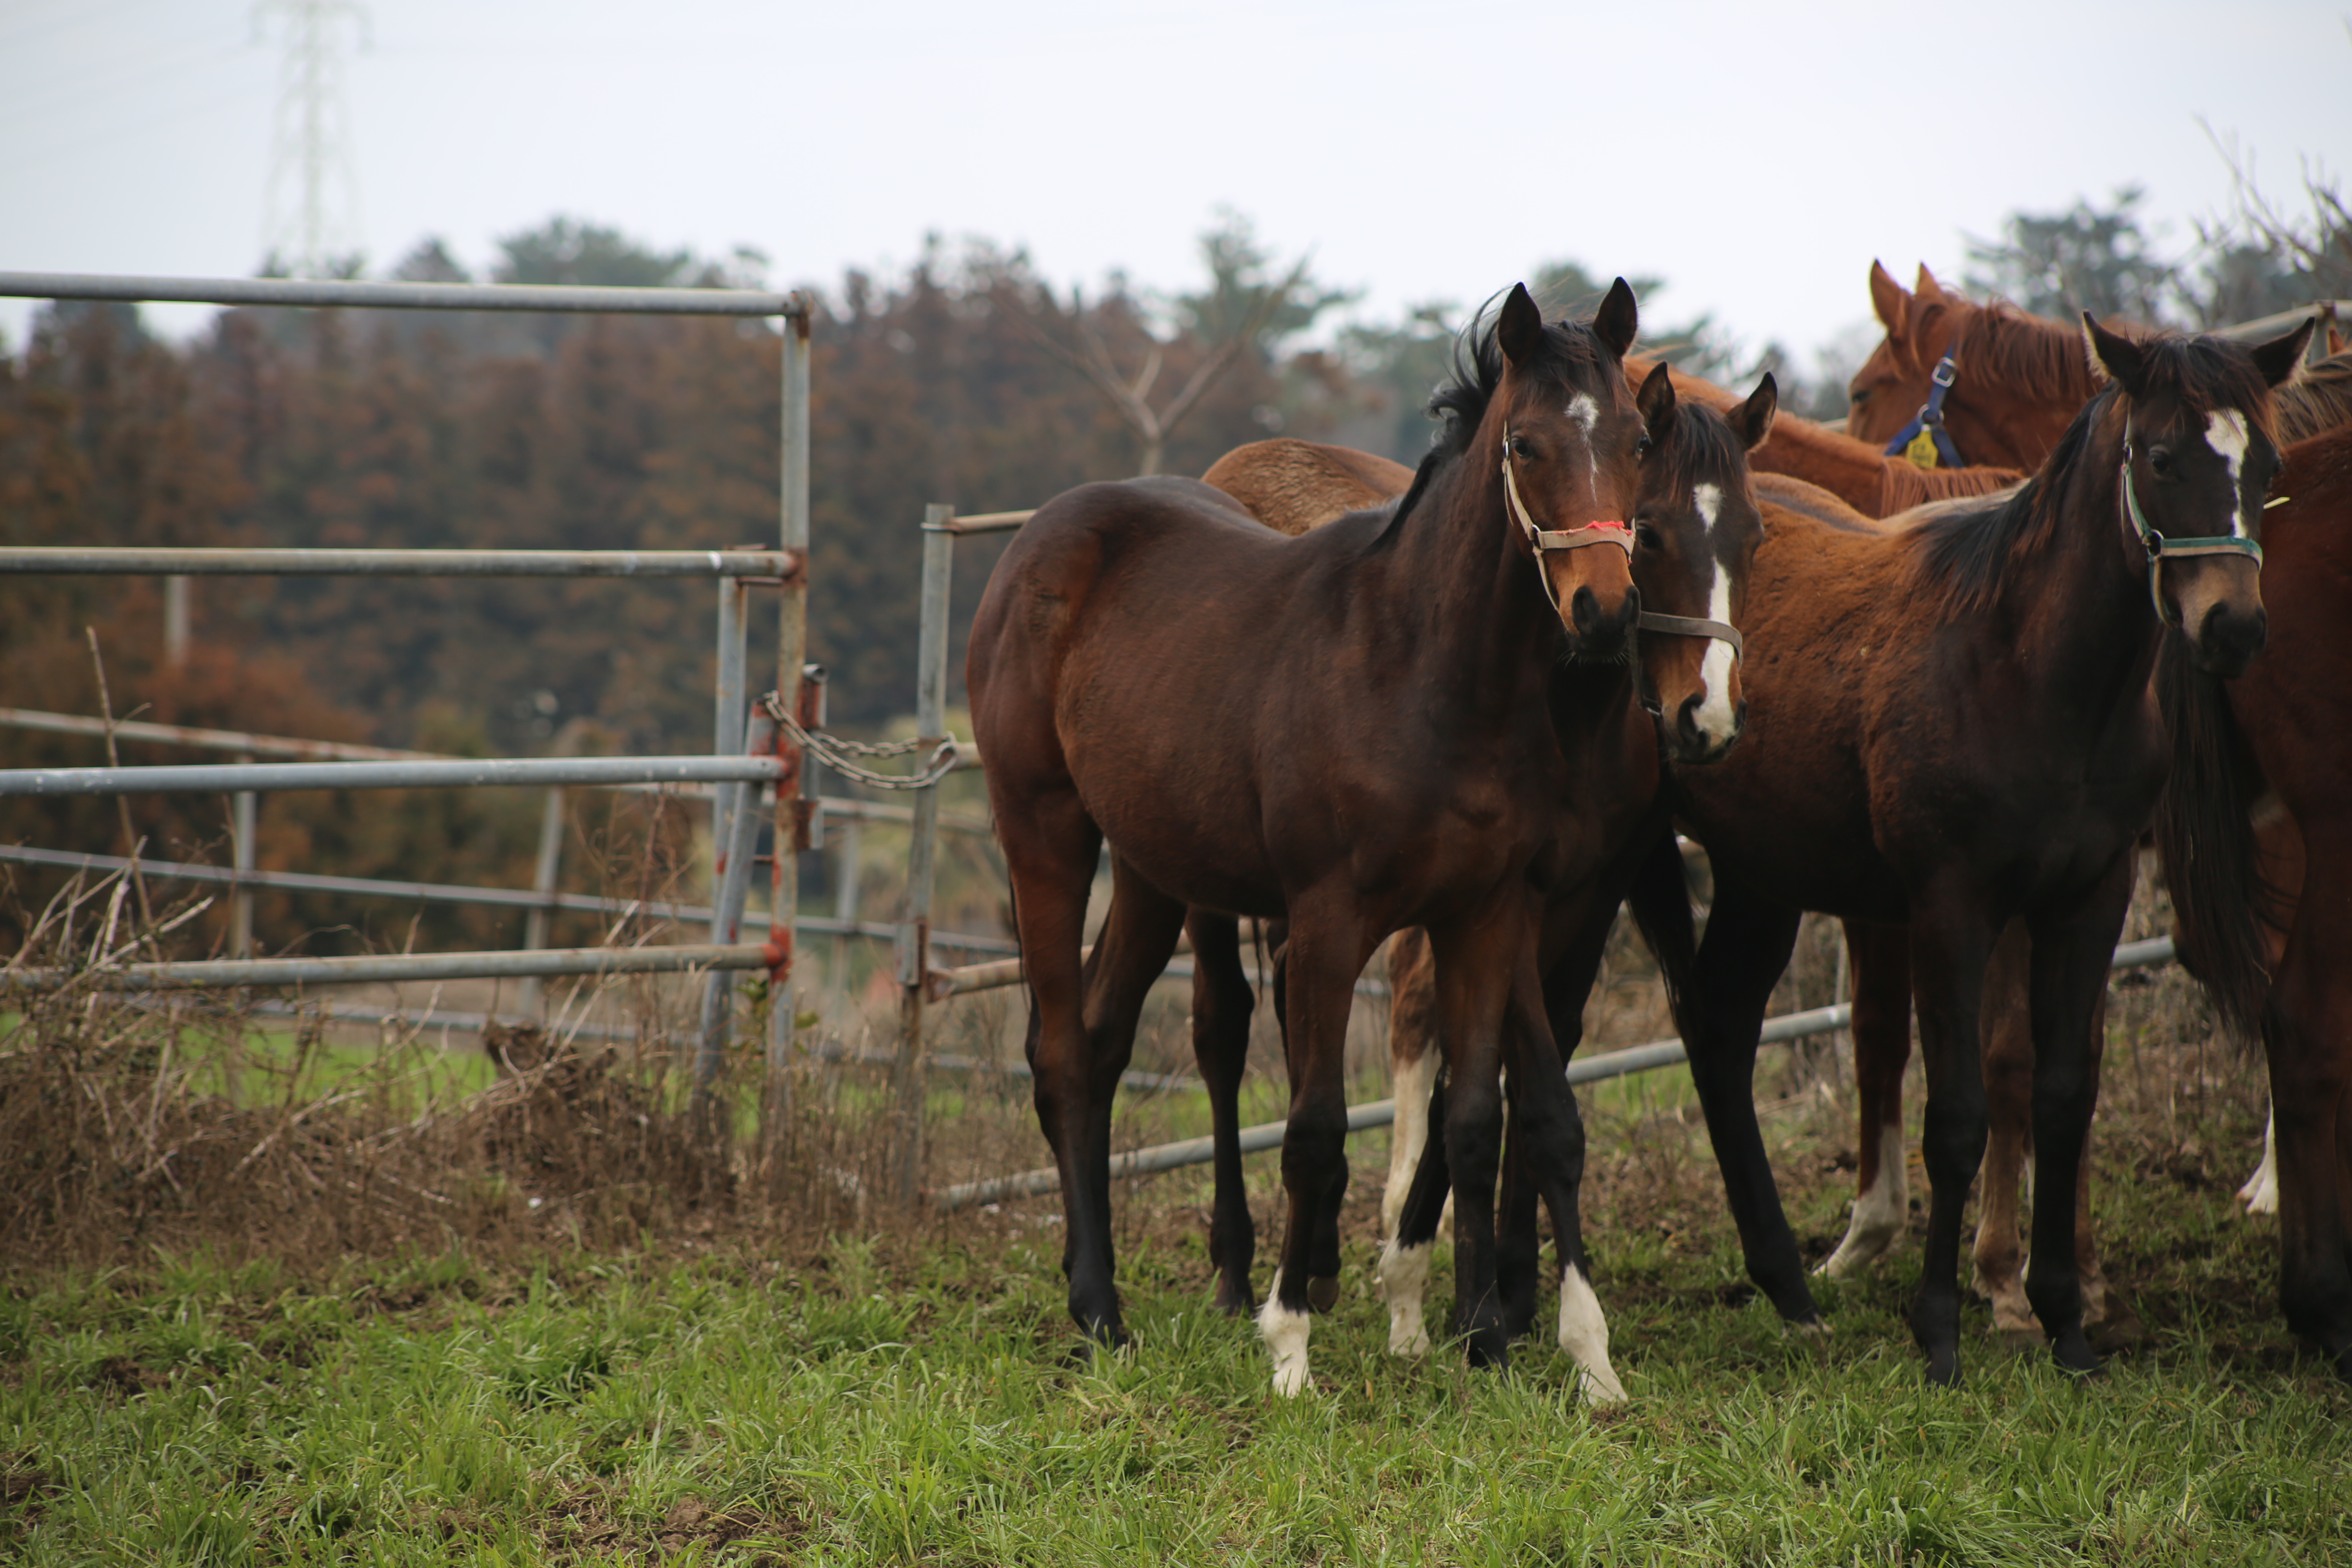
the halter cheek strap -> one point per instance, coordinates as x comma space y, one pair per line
2161, 549
1602, 532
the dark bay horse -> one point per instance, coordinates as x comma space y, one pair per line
1697, 529
2290, 711
1952, 725
1347, 729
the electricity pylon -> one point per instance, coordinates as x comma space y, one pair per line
312, 220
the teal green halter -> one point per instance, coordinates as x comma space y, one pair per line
2161, 549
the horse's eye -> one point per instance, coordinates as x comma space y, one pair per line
1519, 447
1858, 396
1645, 536
2160, 461
1641, 448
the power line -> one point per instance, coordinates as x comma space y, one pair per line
312, 220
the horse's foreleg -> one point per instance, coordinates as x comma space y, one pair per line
2071, 953
1950, 943
2007, 1025
1880, 964
1320, 962
2307, 1036
1747, 944
1549, 1134
1222, 1004
1475, 959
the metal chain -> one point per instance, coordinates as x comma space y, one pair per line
835, 752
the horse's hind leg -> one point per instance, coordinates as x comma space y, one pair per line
1881, 967
1413, 1056
1222, 1004
2070, 956
2008, 1026
1404, 1262
1478, 963
1748, 939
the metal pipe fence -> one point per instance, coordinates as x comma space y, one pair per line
781, 567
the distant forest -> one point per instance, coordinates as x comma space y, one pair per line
966, 380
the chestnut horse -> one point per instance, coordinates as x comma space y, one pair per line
1951, 727
1403, 771
1697, 529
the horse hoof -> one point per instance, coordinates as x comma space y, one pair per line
1323, 1293
2018, 1341
1235, 1300
1944, 1368
1812, 1328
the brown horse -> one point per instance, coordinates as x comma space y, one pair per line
1403, 771
2288, 713
1697, 527
1951, 729
2015, 382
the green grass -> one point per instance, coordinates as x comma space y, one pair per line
917, 1399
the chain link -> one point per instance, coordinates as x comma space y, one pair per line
836, 752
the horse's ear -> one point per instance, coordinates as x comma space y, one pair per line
2114, 355
1753, 418
1656, 402
1519, 329
1929, 292
1618, 319
2279, 358
1887, 297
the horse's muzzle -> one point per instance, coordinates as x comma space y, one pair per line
1599, 634
2227, 640
1694, 746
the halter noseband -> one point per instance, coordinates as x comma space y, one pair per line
1607, 531
2161, 549
1924, 442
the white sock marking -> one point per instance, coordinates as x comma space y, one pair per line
2225, 432
1584, 1336
1879, 1211
2259, 1194
1286, 1336
1411, 1083
1405, 1275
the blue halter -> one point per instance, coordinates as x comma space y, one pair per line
1925, 441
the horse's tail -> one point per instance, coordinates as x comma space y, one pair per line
2204, 831
1660, 899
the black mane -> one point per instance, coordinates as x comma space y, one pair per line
1476, 373
1968, 548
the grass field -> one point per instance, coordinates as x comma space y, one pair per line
915, 1396
369, 1309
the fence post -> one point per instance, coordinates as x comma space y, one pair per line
730, 867
727, 899
543, 882
243, 808
844, 903
908, 1080
792, 648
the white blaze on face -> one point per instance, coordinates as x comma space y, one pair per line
1716, 719
1587, 413
2225, 432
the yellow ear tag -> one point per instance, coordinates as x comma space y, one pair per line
1921, 449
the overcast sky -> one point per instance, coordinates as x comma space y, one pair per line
1756, 155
